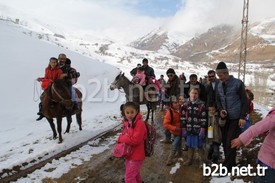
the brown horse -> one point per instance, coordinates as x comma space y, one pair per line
135, 93
57, 103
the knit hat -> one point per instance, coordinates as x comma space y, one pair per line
221, 67
170, 71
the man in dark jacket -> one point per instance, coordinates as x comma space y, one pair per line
72, 75
173, 84
148, 71
211, 88
233, 105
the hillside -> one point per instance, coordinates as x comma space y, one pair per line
221, 42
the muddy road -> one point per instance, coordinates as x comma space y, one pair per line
104, 168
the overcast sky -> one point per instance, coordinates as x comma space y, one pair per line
129, 19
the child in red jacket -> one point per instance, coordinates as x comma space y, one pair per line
52, 72
134, 133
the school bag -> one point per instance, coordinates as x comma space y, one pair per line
149, 142
171, 115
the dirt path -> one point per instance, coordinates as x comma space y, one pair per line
103, 168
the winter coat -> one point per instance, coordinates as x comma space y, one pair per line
267, 150
172, 124
149, 72
50, 75
71, 72
135, 137
173, 87
212, 93
193, 116
232, 97
139, 78
162, 82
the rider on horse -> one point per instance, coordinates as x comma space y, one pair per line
52, 72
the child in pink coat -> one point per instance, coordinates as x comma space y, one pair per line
134, 134
140, 76
266, 155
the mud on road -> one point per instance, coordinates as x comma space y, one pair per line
104, 168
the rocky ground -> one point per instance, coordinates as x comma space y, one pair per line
104, 168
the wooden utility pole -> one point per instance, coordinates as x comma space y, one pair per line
243, 47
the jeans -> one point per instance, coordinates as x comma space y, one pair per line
176, 145
268, 178
73, 94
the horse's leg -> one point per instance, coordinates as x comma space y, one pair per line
69, 121
148, 112
59, 128
79, 120
50, 120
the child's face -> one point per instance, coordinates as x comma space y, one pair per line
194, 95
53, 63
181, 100
176, 105
130, 113
212, 110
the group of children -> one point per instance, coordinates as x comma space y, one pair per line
189, 120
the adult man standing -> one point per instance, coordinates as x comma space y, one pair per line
233, 105
211, 88
173, 84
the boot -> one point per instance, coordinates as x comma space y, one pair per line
41, 116
170, 159
198, 156
185, 148
179, 154
190, 153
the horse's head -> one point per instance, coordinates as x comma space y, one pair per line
61, 93
118, 82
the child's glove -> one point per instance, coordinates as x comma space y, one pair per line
184, 132
202, 133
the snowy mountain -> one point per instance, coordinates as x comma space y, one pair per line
160, 41
221, 42
26, 47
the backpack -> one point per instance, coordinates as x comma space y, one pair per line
171, 115
149, 142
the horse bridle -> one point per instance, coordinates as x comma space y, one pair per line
59, 96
